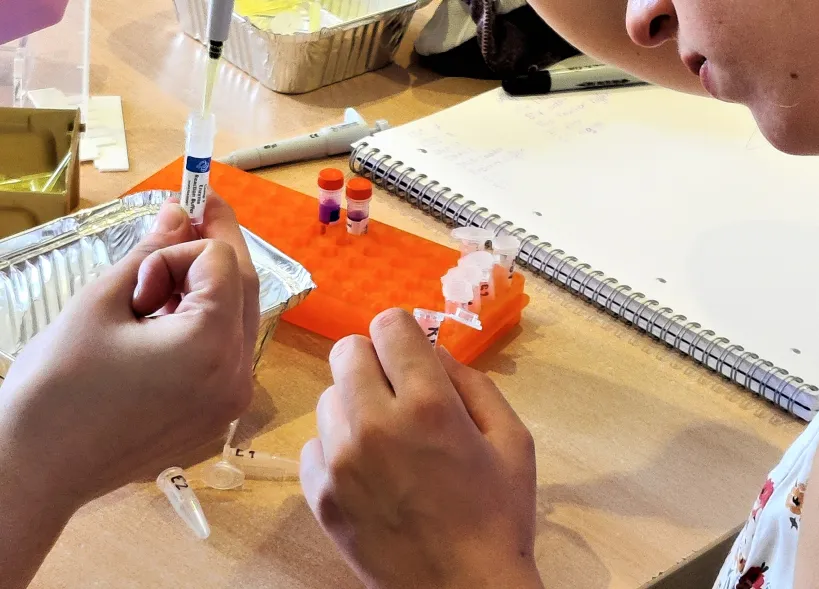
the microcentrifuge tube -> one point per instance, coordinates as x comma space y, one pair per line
262, 465
457, 291
430, 322
173, 483
223, 475
474, 276
484, 261
472, 239
505, 248
196, 174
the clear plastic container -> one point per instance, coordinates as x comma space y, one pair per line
359, 195
49, 68
331, 190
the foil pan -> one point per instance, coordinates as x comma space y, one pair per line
353, 37
42, 268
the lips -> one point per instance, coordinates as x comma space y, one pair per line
707, 79
701, 68
694, 62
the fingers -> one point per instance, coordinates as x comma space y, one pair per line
485, 404
220, 223
333, 423
172, 226
357, 373
206, 272
313, 473
408, 361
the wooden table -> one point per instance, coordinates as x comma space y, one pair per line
643, 457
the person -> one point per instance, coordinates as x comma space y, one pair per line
421, 472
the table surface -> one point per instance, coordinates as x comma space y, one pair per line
643, 457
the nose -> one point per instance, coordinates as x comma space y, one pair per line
651, 22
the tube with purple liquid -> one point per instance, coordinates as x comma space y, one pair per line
331, 188
359, 194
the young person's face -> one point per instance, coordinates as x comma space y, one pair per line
761, 53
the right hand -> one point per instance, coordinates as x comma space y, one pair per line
422, 474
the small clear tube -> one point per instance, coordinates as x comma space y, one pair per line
472, 239
430, 323
174, 484
484, 261
457, 292
505, 248
262, 465
196, 175
473, 276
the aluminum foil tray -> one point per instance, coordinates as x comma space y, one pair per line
42, 268
354, 37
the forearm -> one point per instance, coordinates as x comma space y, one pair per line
597, 28
33, 513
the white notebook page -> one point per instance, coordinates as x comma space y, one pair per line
679, 197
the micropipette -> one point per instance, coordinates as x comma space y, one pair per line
220, 13
173, 483
472, 239
201, 127
325, 142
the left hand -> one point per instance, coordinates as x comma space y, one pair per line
106, 394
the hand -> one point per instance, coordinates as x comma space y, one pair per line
422, 474
106, 394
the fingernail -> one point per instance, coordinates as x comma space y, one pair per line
170, 218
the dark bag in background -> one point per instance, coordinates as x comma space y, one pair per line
491, 40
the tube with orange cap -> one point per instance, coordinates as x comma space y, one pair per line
359, 194
331, 187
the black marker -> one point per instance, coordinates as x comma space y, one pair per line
585, 77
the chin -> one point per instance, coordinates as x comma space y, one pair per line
794, 130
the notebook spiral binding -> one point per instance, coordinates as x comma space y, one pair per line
690, 338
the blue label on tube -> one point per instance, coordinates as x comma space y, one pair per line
198, 165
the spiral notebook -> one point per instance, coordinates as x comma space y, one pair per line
667, 210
